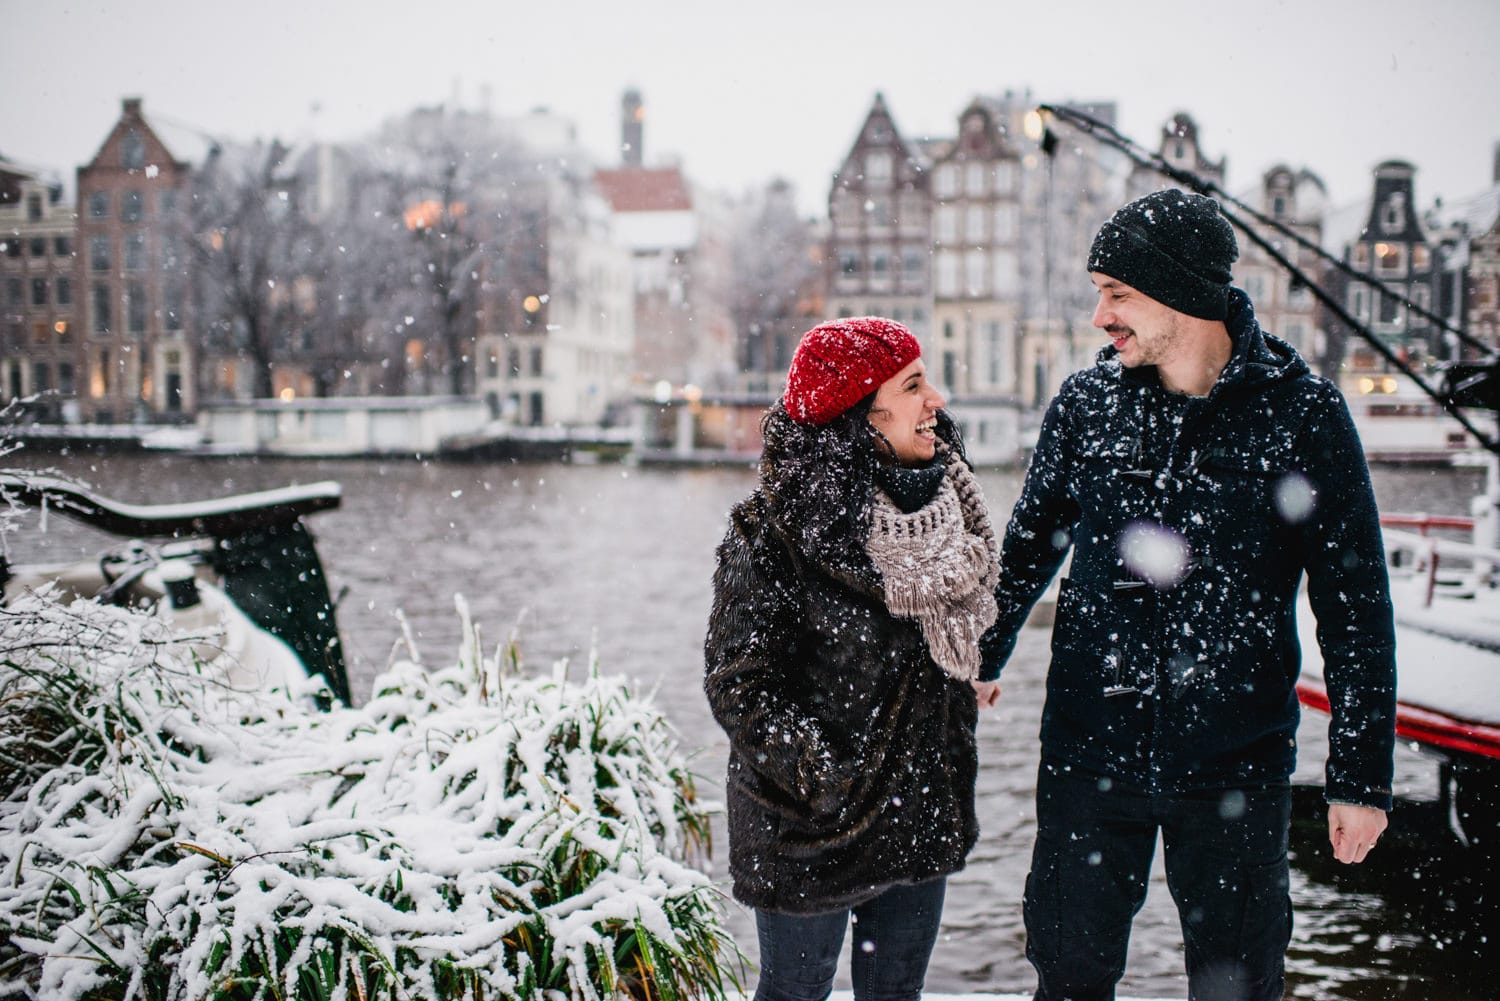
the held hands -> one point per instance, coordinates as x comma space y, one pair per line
1353, 830
987, 692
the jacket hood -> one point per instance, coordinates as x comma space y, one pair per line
1258, 359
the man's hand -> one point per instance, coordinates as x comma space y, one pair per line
1353, 830
987, 692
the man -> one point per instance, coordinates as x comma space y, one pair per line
1196, 472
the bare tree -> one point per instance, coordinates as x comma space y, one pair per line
776, 269
257, 257
445, 173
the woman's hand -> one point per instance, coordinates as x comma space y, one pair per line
987, 692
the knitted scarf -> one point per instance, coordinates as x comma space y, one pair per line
940, 565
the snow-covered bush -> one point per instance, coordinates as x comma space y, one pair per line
469, 832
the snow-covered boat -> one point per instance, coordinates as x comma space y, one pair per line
239, 574
1445, 589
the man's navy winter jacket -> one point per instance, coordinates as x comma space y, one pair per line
1175, 649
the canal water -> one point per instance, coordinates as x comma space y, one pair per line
617, 560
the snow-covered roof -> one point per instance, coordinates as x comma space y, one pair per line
1478, 213
1342, 225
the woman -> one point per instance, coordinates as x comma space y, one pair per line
851, 593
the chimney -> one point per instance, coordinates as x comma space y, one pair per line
632, 128
131, 107
1495, 172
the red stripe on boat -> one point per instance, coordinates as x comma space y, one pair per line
1425, 726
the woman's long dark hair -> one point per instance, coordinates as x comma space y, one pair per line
819, 480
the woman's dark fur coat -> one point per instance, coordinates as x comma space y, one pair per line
852, 757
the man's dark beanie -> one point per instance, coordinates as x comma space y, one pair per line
1175, 247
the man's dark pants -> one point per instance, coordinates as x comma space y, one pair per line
1226, 862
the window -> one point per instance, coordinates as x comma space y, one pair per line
39, 291
945, 181
1359, 303
536, 361
946, 228
1007, 265
172, 306
974, 219
1005, 177
1278, 206
849, 262
34, 207
63, 289
64, 332
99, 253
98, 204
1296, 293
166, 203
976, 263
513, 361
878, 167
879, 209
12, 248
1393, 213
1362, 257
62, 246
135, 251
40, 333
135, 307
1421, 297
101, 308
1390, 259
947, 273
974, 179
133, 151
993, 352
1005, 223
1390, 309
41, 379
913, 264
845, 209
131, 206
65, 383
38, 246
14, 291
1421, 257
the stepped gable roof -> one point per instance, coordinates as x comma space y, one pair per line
645, 189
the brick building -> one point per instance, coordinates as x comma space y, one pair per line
131, 274
40, 349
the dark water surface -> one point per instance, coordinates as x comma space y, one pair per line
618, 559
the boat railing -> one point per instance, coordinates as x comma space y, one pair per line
1410, 534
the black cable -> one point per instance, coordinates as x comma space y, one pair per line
1206, 186
1203, 186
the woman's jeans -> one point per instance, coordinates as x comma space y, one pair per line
1226, 861
893, 938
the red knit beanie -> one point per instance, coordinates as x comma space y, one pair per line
840, 362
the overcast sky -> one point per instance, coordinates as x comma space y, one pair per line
741, 92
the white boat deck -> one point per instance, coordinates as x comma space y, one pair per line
1439, 667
